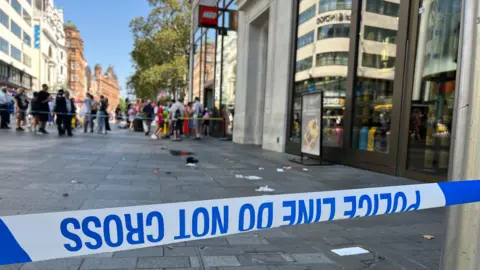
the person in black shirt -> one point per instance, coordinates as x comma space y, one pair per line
43, 98
61, 110
21, 106
148, 112
71, 113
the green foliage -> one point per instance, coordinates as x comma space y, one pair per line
161, 51
122, 104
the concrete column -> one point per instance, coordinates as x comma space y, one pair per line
462, 245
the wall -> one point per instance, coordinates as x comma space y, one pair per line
268, 92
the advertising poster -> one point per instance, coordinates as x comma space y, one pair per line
311, 125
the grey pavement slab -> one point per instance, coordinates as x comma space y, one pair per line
118, 170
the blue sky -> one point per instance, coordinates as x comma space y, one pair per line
104, 29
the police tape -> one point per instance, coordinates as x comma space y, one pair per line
37, 237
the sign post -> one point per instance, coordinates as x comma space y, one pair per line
312, 130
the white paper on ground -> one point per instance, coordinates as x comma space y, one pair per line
238, 176
280, 170
264, 189
305, 169
191, 165
350, 251
253, 177
261, 169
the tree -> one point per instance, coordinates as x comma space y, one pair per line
161, 48
122, 104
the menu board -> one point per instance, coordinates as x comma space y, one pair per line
311, 124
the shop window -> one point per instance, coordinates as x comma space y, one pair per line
16, 29
307, 14
305, 40
16, 5
380, 34
16, 53
27, 39
378, 61
330, 5
383, 7
304, 64
332, 59
4, 19
4, 46
334, 31
373, 92
433, 90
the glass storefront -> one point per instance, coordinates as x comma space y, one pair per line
214, 68
388, 101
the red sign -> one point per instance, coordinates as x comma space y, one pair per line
208, 16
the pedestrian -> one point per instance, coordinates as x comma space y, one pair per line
170, 117
177, 112
4, 115
43, 98
71, 113
61, 110
107, 116
93, 113
160, 120
32, 112
148, 116
206, 123
87, 108
101, 115
131, 116
118, 115
21, 106
197, 113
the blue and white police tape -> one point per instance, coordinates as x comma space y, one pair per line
36, 237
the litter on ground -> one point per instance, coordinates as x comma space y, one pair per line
264, 189
428, 237
191, 165
155, 171
350, 251
280, 170
238, 176
253, 177
261, 169
305, 169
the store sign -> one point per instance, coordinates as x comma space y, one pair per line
36, 36
208, 16
338, 17
333, 101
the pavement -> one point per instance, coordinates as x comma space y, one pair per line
116, 170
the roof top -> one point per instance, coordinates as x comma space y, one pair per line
70, 25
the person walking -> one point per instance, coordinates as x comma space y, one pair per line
160, 121
21, 106
71, 114
87, 108
32, 113
148, 116
177, 112
197, 113
43, 98
101, 115
107, 116
61, 111
4, 101
131, 116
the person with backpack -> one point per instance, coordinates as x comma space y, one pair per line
177, 112
197, 110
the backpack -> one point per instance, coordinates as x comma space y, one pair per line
177, 114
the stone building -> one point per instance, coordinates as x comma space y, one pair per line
105, 84
76, 61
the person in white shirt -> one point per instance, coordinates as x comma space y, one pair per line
177, 112
197, 113
4, 114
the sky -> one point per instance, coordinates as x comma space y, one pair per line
104, 29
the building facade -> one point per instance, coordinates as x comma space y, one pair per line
77, 64
387, 71
17, 44
50, 59
105, 84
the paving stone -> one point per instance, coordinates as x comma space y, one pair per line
68, 264
162, 262
181, 251
195, 262
108, 263
142, 252
311, 258
246, 241
211, 261
262, 259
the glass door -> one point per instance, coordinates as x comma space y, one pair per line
431, 89
378, 83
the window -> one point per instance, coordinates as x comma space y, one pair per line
334, 31
27, 39
27, 61
27, 18
383, 7
306, 15
16, 29
15, 53
4, 45
4, 18
329, 5
16, 5
380, 34
332, 59
3, 71
304, 64
305, 40
378, 61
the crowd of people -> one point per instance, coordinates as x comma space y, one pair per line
175, 119
42, 109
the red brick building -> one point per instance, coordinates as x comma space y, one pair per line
105, 84
76, 81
